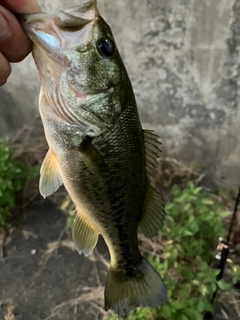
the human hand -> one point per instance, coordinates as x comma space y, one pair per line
14, 44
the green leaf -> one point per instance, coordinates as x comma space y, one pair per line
223, 285
187, 206
200, 306
197, 190
177, 304
224, 214
207, 201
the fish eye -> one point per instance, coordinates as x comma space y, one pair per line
106, 47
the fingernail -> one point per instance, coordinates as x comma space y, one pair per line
5, 29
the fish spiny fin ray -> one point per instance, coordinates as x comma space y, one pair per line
145, 289
151, 150
50, 178
153, 213
84, 236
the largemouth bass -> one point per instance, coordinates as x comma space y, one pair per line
97, 148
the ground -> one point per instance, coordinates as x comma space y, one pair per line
42, 276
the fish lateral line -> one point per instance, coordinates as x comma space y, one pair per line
100, 151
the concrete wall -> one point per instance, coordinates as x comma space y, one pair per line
183, 57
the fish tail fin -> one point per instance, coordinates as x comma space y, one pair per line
144, 289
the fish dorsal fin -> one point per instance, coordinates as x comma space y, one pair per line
151, 149
153, 213
84, 235
50, 179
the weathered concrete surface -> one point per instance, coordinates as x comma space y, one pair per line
183, 58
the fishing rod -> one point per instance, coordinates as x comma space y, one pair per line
224, 251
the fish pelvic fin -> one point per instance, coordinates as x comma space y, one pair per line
84, 235
145, 289
153, 213
50, 178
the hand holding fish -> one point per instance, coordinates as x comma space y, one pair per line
14, 44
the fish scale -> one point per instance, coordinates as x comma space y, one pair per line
97, 148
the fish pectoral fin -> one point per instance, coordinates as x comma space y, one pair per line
91, 157
84, 235
153, 213
50, 178
151, 150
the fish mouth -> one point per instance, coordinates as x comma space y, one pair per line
58, 38
51, 31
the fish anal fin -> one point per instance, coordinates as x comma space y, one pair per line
50, 178
152, 144
84, 235
146, 289
153, 213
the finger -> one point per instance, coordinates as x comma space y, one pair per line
5, 69
21, 6
14, 44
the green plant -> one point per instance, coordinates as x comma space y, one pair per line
69, 206
235, 273
13, 177
193, 225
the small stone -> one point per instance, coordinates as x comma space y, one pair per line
33, 251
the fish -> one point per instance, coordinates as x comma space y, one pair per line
97, 148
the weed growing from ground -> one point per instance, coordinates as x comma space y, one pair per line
13, 178
194, 222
